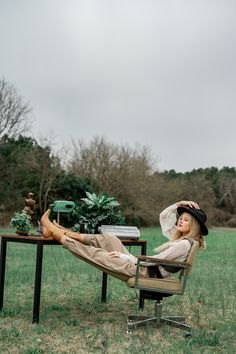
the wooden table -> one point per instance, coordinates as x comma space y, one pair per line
40, 242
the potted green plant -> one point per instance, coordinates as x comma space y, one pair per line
95, 211
21, 222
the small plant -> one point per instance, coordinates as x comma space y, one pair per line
21, 222
95, 211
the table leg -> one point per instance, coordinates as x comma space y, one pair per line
144, 249
37, 283
104, 287
2, 270
141, 298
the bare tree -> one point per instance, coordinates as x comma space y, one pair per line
120, 171
14, 112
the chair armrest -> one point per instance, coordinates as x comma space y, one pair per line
158, 261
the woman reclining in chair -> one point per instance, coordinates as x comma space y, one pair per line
108, 253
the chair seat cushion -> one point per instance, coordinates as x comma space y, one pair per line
165, 285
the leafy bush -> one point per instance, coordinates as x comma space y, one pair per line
95, 211
21, 222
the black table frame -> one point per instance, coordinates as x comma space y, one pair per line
40, 242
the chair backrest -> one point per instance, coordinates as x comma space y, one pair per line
191, 258
184, 273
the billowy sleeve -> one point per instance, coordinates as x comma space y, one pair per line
175, 251
168, 220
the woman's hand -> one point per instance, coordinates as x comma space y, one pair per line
189, 203
114, 254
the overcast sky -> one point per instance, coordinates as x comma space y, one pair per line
160, 73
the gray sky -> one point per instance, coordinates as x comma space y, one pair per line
160, 73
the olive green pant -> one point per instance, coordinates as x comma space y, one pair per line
95, 250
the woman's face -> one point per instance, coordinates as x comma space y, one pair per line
183, 224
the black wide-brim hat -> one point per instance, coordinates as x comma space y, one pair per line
199, 214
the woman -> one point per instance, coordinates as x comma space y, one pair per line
108, 252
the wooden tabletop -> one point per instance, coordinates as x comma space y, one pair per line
41, 238
35, 238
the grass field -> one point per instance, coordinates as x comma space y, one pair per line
73, 319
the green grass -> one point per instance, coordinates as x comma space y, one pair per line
73, 319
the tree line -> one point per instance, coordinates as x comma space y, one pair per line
103, 167
99, 166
